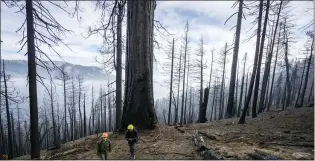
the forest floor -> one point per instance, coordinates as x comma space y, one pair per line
287, 134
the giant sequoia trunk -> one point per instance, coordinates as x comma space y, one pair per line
35, 145
230, 104
139, 102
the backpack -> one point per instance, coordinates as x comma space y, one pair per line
104, 146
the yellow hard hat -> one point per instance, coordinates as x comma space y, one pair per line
130, 127
105, 135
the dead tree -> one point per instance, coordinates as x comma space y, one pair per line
139, 102
80, 80
57, 143
230, 104
186, 43
84, 116
178, 86
250, 88
268, 63
188, 70
9, 126
64, 77
242, 86
223, 61
171, 86
201, 66
287, 65
311, 35
273, 73
254, 107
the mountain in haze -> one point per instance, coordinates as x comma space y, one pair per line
18, 68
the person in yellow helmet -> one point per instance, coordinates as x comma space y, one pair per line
131, 136
104, 147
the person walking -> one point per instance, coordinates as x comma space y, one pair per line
104, 147
131, 136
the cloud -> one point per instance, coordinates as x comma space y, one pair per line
205, 17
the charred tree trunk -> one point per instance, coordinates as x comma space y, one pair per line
9, 124
186, 92
222, 84
35, 145
300, 86
287, 66
250, 89
311, 91
185, 60
242, 86
171, 87
139, 102
178, 88
56, 138
273, 74
306, 75
203, 118
268, 63
230, 104
84, 116
254, 108
119, 66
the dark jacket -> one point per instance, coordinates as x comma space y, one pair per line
133, 135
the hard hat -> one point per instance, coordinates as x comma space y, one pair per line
105, 135
130, 127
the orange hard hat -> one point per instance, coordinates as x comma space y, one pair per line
105, 135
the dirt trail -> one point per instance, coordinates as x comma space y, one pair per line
282, 133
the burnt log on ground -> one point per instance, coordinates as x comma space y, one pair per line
261, 155
206, 153
178, 128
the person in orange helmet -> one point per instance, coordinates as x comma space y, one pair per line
104, 147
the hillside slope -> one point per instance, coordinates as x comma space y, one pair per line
286, 134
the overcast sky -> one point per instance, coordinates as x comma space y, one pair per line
205, 17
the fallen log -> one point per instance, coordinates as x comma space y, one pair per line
209, 136
206, 153
180, 130
261, 155
65, 153
300, 144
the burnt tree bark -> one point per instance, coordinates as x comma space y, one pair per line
171, 87
287, 67
202, 118
306, 75
255, 99
9, 123
119, 65
185, 60
251, 84
230, 104
139, 102
242, 86
273, 73
267, 64
34, 135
